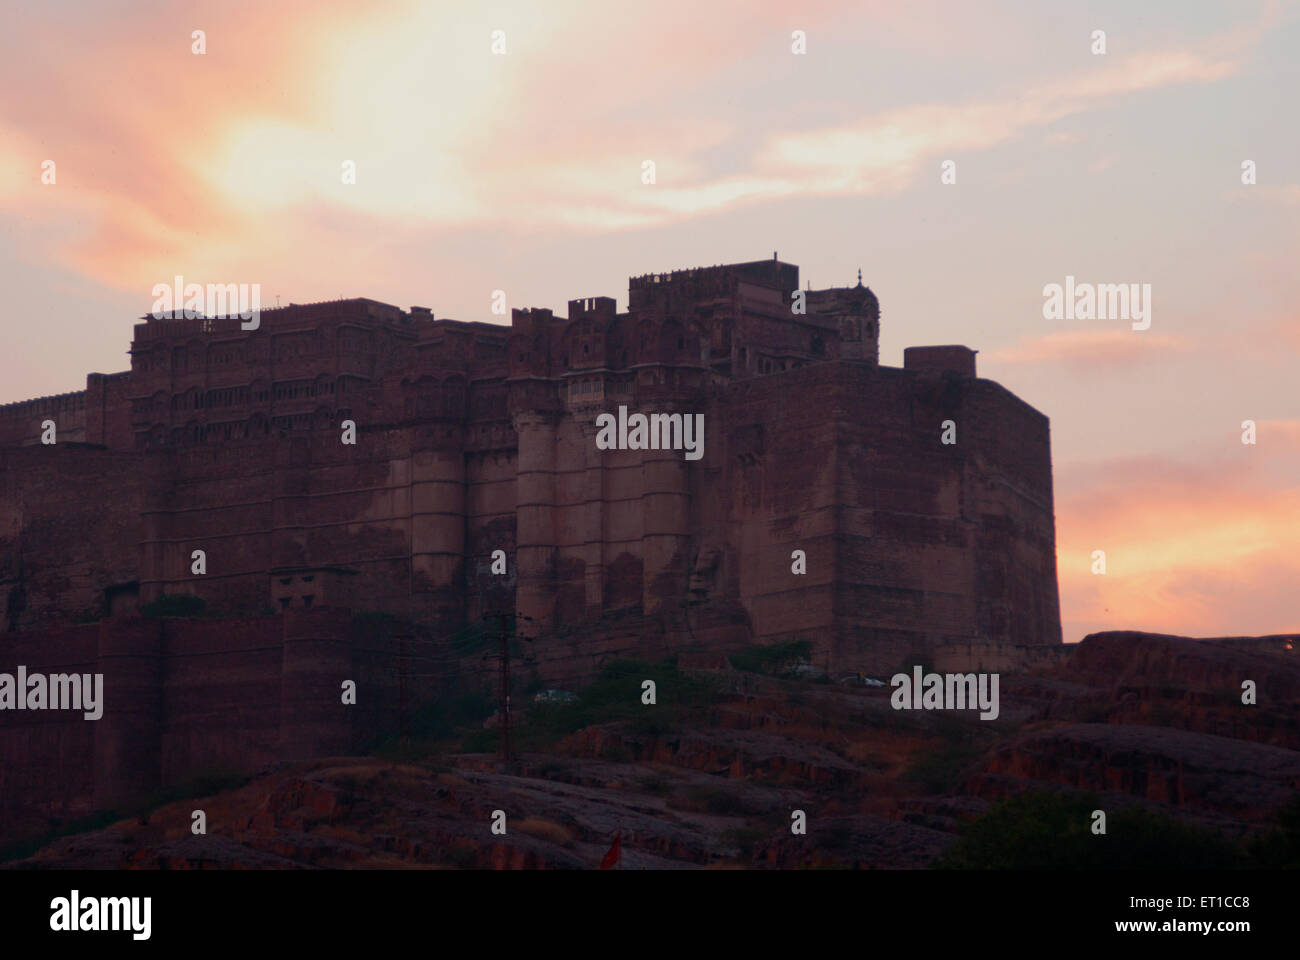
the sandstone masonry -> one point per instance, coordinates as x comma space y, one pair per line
474, 437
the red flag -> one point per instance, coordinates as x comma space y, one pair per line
611, 858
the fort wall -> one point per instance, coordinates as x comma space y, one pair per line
186, 698
473, 438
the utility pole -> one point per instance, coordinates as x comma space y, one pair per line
503, 674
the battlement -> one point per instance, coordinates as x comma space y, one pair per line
698, 283
774, 273
37, 406
528, 316
176, 325
201, 379
593, 308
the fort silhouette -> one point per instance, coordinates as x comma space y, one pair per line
473, 438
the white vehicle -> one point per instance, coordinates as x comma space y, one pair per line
554, 696
862, 680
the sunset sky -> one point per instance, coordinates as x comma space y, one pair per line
522, 172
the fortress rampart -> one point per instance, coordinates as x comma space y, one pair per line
473, 438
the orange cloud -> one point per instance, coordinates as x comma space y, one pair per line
1188, 549
131, 144
1283, 432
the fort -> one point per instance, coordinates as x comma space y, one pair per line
473, 438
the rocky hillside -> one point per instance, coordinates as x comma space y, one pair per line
715, 780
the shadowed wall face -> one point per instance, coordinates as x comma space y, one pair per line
183, 699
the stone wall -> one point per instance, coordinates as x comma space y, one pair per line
71, 527
473, 438
184, 698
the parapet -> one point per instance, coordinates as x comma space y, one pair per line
684, 286
947, 359
531, 318
592, 308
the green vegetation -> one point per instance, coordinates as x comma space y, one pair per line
615, 696
617, 754
773, 659
941, 771
438, 727
21, 849
1279, 849
411, 751
1042, 831
202, 785
454, 724
445, 716
195, 608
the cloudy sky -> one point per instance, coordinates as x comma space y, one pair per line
522, 172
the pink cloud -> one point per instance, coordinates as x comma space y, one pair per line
1088, 351
214, 164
